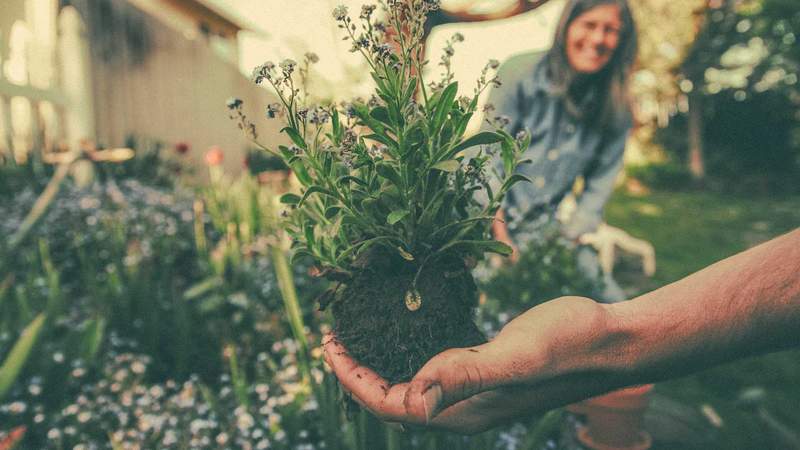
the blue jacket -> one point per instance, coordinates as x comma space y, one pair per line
562, 149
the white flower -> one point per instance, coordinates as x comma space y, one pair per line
244, 421
138, 367
340, 12
17, 407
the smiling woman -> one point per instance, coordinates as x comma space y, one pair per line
573, 100
593, 37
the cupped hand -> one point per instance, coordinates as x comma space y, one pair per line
542, 359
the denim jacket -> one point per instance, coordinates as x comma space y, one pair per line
562, 149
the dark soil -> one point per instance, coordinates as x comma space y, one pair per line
379, 331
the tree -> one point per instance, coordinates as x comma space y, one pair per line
745, 56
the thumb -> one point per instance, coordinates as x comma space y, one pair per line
446, 379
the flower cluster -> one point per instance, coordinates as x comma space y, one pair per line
122, 409
446, 61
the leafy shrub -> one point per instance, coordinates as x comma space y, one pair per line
662, 176
546, 269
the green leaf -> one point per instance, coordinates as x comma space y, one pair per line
460, 223
332, 211
92, 338
301, 173
295, 137
381, 114
406, 255
287, 154
290, 199
396, 216
479, 246
363, 113
378, 81
300, 252
482, 138
315, 189
308, 232
444, 105
335, 125
383, 139
359, 247
410, 90
507, 153
388, 172
203, 287
451, 165
19, 354
514, 179
348, 178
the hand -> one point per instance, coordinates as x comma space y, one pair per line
544, 358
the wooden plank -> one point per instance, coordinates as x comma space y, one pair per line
5, 109
8, 89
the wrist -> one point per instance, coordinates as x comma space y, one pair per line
602, 342
610, 352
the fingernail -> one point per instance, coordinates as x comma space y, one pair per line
430, 401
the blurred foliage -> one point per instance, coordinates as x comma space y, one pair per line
258, 161
546, 269
662, 45
662, 176
744, 66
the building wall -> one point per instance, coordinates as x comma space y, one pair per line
156, 83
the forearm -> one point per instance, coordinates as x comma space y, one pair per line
744, 305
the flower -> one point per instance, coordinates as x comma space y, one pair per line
214, 156
182, 147
319, 115
311, 57
288, 65
262, 72
273, 109
234, 103
340, 12
366, 11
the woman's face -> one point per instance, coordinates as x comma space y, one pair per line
592, 38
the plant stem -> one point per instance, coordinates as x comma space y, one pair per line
290, 302
39, 207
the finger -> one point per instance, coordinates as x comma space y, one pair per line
366, 387
447, 378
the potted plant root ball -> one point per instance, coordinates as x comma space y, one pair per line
392, 210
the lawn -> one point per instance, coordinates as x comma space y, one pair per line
691, 230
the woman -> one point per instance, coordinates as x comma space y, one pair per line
573, 101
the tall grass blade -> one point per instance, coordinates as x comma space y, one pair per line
19, 354
292, 305
93, 338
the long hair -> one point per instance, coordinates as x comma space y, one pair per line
608, 104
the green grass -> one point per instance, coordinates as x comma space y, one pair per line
689, 231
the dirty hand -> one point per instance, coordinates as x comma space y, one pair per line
545, 358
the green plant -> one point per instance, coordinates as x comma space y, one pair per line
663, 176
390, 175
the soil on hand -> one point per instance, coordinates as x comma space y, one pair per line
379, 330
